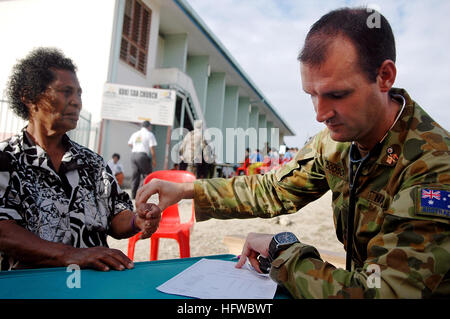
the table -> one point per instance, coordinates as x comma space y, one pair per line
137, 283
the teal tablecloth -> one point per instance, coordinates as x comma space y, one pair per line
137, 283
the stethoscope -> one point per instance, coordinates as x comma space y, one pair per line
356, 162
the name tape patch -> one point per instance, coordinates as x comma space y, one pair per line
434, 202
335, 169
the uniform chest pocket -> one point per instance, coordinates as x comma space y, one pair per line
368, 219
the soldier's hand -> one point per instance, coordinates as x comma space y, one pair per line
169, 192
255, 244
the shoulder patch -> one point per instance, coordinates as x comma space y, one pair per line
433, 202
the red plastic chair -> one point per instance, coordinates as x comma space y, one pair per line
170, 225
243, 170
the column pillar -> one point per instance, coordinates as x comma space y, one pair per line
243, 123
198, 69
230, 121
215, 97
253, 125
262, 133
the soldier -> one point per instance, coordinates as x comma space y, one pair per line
384, 158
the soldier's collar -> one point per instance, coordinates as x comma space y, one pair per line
394, 95
392, 143
375, 151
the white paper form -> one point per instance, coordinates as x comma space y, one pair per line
219, 279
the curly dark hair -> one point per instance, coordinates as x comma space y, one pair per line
31, 76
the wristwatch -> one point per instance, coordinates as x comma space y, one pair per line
279, 242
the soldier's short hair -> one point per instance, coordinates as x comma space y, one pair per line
374, 42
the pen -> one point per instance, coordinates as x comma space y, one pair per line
236, 258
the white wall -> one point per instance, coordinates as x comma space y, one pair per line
80, 28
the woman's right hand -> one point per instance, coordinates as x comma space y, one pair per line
34, 252
99, 258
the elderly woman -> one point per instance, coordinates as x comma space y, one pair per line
58, 199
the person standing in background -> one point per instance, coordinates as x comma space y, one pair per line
116, 168
191, 148
288, 155
143, 159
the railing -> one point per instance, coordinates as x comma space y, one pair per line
82, 132
11, 124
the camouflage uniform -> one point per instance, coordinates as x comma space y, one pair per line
398, 225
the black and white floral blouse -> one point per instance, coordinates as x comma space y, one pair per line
74, 206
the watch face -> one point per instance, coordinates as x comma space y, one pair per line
285, 238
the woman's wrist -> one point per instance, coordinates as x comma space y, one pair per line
188, 190
134, 228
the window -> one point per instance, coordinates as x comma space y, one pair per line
135, 34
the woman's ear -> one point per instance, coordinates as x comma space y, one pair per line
31, 103
386, 75
32, 107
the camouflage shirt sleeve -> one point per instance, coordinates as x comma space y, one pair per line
282, 191
409, 258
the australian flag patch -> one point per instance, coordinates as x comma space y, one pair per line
434, 202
